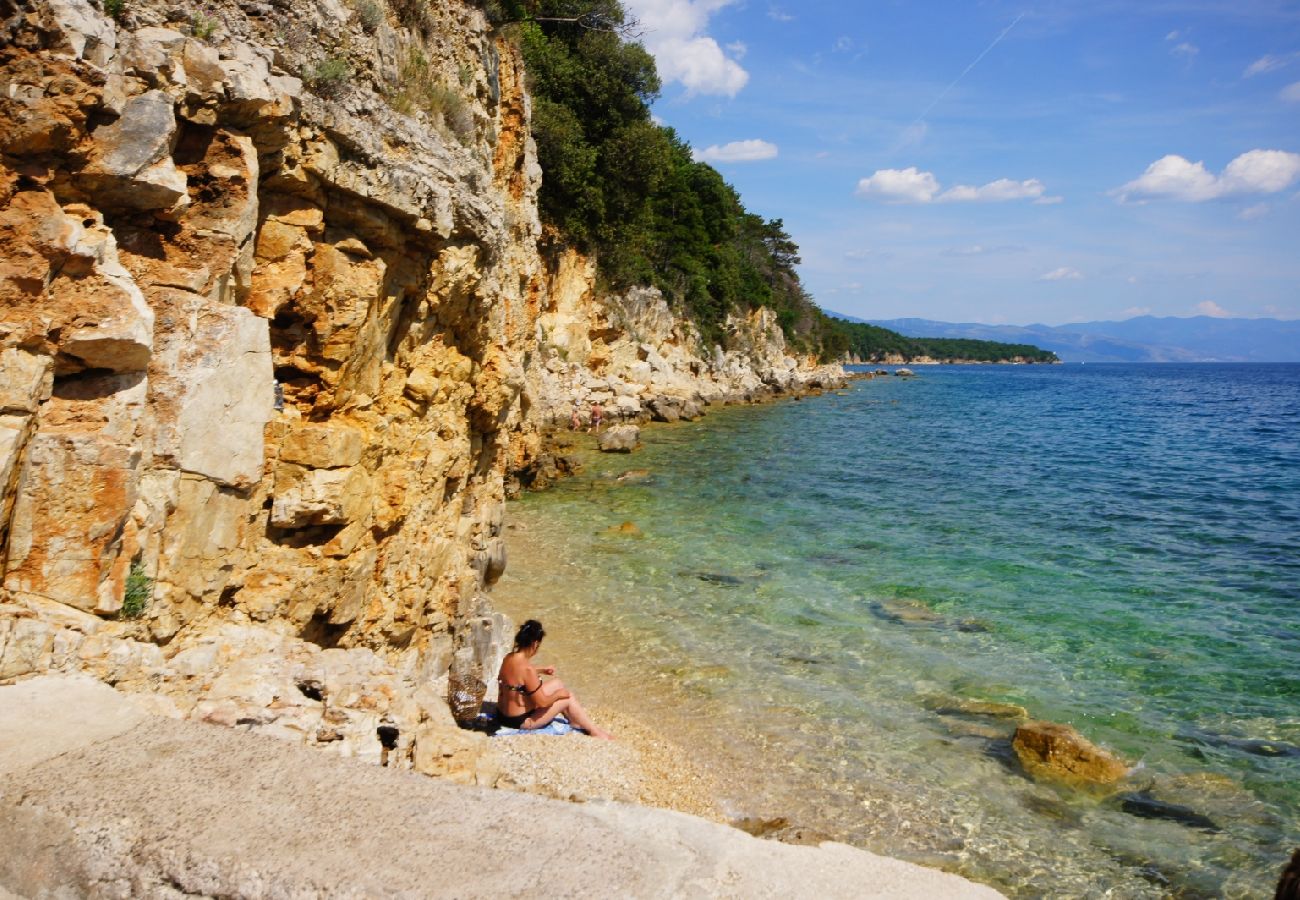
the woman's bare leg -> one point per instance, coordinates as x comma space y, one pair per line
578, 716
573, 711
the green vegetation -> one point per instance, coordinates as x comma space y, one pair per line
201, 26
370, 14
116, 9
630, 192
139, 591
328, 75
420, 90
873, 343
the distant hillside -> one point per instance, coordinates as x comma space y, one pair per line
873, 343
1143, 339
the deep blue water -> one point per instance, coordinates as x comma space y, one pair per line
1113, 546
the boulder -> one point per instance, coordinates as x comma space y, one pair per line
620, 439
904, 373
131, 165
1055, 752
462, 757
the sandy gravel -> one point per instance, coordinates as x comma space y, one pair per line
638, 767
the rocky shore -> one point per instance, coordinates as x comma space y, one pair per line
100, 799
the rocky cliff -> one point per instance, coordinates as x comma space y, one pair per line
275, 335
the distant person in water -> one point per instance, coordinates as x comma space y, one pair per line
597, 415
525, 701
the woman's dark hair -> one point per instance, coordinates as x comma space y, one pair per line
529, 633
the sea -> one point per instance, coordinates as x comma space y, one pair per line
840, 601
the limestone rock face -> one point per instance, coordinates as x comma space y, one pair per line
273, 355
1058, 752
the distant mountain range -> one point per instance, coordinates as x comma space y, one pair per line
1143, 339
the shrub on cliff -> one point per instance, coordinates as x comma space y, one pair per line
630, 191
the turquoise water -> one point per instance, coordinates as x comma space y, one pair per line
819, 584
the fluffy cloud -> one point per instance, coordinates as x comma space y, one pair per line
1065, 273
1002, 189
737, 151
1176, 178
908, 185
1291, 93
1185, 49
911, 185
1210, 308
1257, 211
674, 34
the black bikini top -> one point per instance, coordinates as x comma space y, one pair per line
519, 688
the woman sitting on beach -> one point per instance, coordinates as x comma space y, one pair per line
525, 701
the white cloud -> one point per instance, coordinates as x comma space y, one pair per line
738, 151
1291, 93
675, 35
1175, 178
858, 254
1065, 273
1210, 308
995, 191
899, 186
1254, 212
738, 49
1175, 35
1132, 279
911, 185
778, 15
1268, 63
1133, 311
1185, 49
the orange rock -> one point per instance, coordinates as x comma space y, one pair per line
1051, 751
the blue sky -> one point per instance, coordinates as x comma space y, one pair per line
1052, 161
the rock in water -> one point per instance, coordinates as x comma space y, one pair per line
620, 439
1142, 804
628, 528
1051, 751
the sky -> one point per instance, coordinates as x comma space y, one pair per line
995, 161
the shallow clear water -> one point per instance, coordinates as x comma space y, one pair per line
1117, 547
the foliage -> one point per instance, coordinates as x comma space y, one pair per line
201, 26
328, 75
873, 344
116, 9
139, 591
370, 14
421, 91
630, 191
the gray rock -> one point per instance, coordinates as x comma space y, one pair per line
131, 165
620, 439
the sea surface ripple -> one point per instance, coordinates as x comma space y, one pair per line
819, 585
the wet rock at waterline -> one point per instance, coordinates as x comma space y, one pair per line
619, 439
1050, 751
628, 529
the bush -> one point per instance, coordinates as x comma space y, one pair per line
115, 9
370, 14
139, 591
421, 91
201, 26
329, 75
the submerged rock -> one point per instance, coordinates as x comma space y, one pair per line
906, 612
634, 476
1253, 746
1055, 752
962, 706
1143, 805
627, 528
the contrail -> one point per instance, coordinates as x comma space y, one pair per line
966, 71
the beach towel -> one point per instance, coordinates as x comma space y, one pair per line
557, 726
